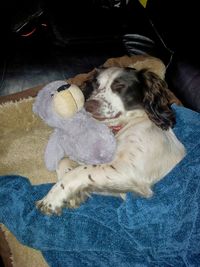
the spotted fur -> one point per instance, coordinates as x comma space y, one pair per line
147, 148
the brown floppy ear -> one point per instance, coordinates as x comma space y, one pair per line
85, 81
91, 83
156, 100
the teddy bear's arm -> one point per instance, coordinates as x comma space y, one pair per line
53, 153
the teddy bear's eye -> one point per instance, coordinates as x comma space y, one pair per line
52, 95
63, 87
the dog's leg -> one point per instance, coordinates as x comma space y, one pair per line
77, 185
65, 166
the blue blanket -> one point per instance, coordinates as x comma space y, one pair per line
106, 231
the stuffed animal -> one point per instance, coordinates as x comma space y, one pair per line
76, 134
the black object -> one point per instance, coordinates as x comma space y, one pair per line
177, 23
112, 23
122, 25
183, 78
44, 40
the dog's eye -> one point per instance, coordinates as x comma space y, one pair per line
95, 83
52, 95
117, 86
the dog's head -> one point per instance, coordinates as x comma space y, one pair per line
114, 90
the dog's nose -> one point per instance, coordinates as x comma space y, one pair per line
92, 105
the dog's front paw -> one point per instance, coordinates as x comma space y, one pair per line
53, 202
76, 200
48, 208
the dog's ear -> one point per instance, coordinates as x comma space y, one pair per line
91, 83
156, 100
87, 84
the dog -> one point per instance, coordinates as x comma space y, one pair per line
135, 105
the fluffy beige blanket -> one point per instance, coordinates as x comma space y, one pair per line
23, 137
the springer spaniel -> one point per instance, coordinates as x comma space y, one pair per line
135, 105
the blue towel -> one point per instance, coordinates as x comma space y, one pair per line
161, 231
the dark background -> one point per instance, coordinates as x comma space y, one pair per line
44, 40
47, 40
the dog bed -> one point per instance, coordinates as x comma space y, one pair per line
105, 231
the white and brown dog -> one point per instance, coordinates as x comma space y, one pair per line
135, 104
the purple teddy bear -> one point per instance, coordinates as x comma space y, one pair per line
78, 136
